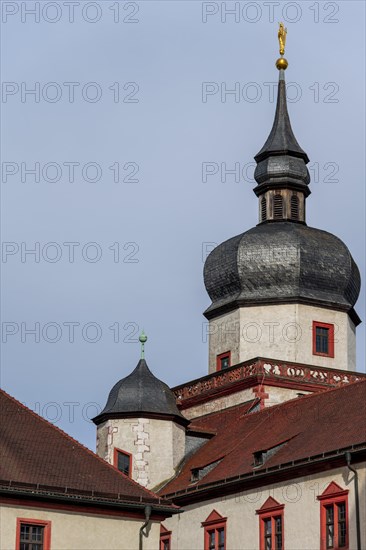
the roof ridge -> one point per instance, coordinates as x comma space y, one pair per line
73, 440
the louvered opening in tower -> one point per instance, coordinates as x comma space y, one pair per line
277, 207
294, 207
263, 209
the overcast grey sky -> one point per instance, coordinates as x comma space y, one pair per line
120, 124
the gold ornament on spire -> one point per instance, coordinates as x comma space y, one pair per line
282, 63
282, 32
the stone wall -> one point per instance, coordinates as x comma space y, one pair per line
157, 446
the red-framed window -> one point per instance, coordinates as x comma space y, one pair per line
165, 538
223, 361
215, 532
334, 524
271, 527
323, 339
33, 534
123, 462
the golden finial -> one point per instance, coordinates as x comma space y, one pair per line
282, 63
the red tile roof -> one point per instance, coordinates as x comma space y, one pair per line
35, 452
301, 428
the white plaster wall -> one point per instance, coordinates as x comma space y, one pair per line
224, 336
301, 513
219, 404
276, 395
157, 446
281, 332
79, 531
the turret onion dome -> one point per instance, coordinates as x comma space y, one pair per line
282, 260
141, 394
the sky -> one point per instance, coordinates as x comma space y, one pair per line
128, 136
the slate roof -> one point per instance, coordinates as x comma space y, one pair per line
281, 140
297, 429
34, 452
141, 393
281, 163
282, 262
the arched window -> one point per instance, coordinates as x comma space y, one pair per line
277, 207
294, 207
263, 209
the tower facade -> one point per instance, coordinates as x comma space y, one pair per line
140, 430
282, 290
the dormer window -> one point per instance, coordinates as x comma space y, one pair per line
199, 473
195, 474
258, 459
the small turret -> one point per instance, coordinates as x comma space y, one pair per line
140, 430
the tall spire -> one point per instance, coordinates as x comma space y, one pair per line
281, 172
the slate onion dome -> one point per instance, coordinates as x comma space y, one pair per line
141, 394
282, 260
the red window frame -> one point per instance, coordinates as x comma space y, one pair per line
115, 460
333, 496
37, 522
221, 356
165, 537
271, 509
330, 327
214, 523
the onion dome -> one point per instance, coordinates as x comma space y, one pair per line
141, 394
282, 260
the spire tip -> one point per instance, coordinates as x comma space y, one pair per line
282, 63
143, 340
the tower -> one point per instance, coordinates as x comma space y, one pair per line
282, 290
140, 430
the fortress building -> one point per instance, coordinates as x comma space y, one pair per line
268, 450
265, 452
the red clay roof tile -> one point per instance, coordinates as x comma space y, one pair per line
303, 427
33, 451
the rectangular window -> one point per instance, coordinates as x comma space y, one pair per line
165, 538
215, 534
342, 530
123, 462
329, 514
334, 518
223, 361
323, 339
278, 532
216, 539
33, 534
271, 533
335, 525
31, 537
